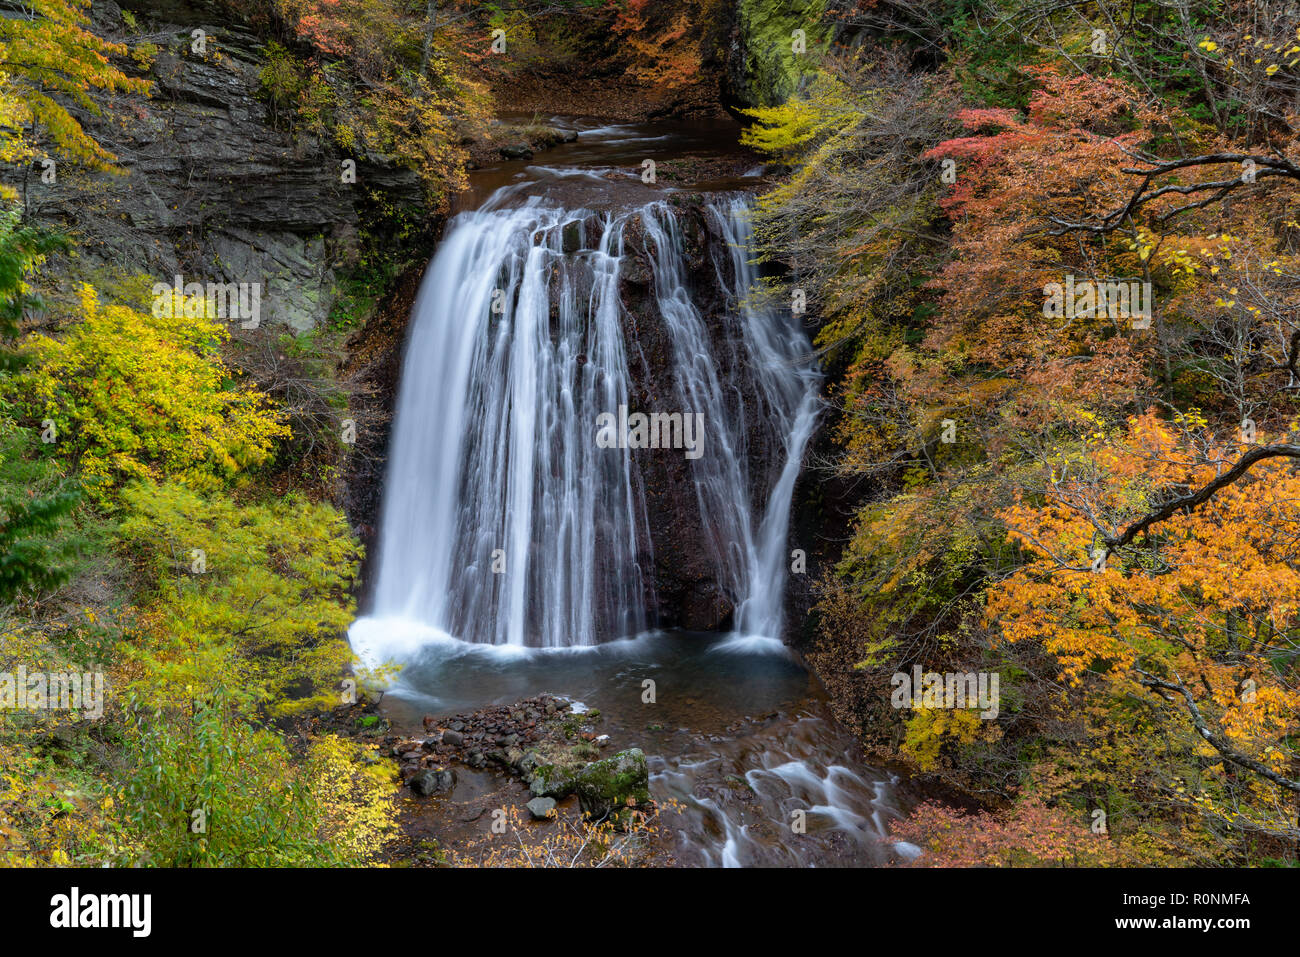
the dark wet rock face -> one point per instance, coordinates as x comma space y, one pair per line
687, 591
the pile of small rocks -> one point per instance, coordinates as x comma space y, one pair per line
500, 734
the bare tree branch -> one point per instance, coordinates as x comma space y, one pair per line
1201, 495
1218, 743
1267, 166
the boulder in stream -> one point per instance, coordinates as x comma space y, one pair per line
612, 785
553, 781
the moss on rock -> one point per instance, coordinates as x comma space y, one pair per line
609, 786
771, 70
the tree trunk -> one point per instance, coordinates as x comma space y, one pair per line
430, 18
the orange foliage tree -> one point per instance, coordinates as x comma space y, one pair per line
1032, 835
1012, 175
1164, 564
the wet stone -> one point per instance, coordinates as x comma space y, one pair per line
541, 808
433, 781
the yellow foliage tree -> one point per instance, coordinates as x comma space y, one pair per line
133, 395
47, 52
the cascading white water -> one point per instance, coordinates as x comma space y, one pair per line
504, 522
772, 369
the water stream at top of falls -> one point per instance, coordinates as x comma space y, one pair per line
514, 555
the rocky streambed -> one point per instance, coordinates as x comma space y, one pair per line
547, 742
732, 760
534, 773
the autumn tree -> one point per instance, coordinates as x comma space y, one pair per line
256, 594
35, 507
1028, 835
208, 788
976, 419
131, 394
1163, 564
377, 82
23, 248
48, 59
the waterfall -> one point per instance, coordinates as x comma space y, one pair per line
504, 523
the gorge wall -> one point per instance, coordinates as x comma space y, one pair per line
208, 187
